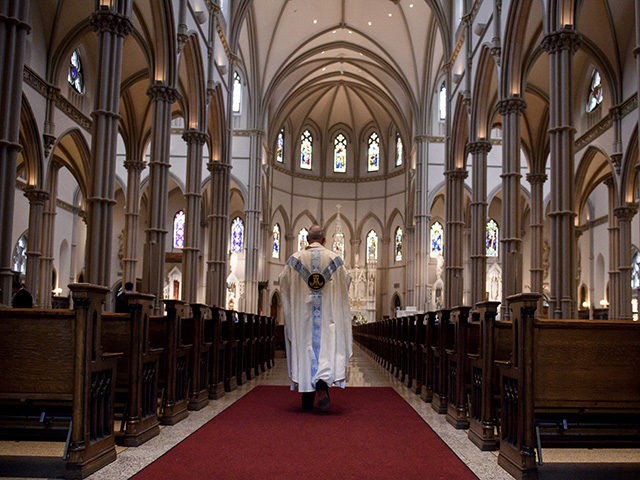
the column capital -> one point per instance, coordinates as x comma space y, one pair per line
564, 39
35, 196
193, 136
216, 167
625, 212
479, 146
104, 20
134, 165
161, 92
457, 174
513, 104
536, 178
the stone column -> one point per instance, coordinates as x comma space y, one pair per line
162, 97
453, 234
511, 109
290, 242
421, 252
614, 254
536, 180
111, 25
191, 250
14, 15
218, 236
37, 199
132, 221
479, 151
561, 45
46, 245
409, 249
624, 214
382, 287
252, 223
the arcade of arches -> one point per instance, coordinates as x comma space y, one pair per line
454, 150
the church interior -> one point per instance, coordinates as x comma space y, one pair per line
456, 152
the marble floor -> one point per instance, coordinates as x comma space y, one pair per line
363, 371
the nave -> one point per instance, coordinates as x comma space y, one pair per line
560, 464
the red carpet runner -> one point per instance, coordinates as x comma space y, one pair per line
370, 433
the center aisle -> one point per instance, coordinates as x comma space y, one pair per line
363, 372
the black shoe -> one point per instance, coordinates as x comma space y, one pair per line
307, 400
322, 392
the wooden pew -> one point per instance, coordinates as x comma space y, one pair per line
419, 334
271, 328
428, 324
217, 366
239, 321
166, 332
138, 370
230, 351
570, 383
457, 366
197, 330
52, 360
494, 343
439, 366
250, 328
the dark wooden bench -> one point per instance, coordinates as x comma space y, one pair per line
570, 383
197, 330
439, 340
53, 367
457, 367
138, 370
217, 366
428, 326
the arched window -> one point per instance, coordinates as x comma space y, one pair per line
372, 245
280, 147
19, 259
437, 240
399, 149
306, 150
595, 92
442, 102
492, 238
275, 253
178, 229
237, 235
237, 93
340, 153
75, 77
302, 239
373, 153
398, 245
635, 271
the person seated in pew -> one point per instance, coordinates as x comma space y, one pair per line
22, 298
122, 305
318, 338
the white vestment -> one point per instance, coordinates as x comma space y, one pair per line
317, 322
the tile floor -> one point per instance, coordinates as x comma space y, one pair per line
364, 371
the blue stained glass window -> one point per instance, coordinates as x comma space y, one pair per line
372, 245
340, 154
492, 238
178, 229
442, 102
399, 150
398, 245
306, 150
275, 253
373, 153
280, 147
302, 239
20, 254
237, 235
437, 240
595, 92
237, 93
75, 76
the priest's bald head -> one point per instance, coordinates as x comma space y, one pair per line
316, 234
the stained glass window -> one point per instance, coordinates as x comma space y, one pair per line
178, 229
237, 93
302, 239
437, 240
595, 92
442, 102
373, 153
398, 245
275, 253
280, 147
237, 235
306, 150
372, 245
399, 150
492, 238
635, 271
20, 254
75, 76
340, 153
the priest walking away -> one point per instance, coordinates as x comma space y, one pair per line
317, 322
